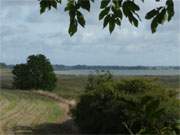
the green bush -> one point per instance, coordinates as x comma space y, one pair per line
136, 85
21, 76
37, 73
128, 107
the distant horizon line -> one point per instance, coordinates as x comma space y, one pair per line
121, 65
104, 65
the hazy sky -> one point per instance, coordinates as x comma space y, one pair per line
24, 31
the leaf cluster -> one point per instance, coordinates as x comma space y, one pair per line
112, 12
160, 14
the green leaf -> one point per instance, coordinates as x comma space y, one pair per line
106, 21
104, 12
151, 14
43, 6
119, 14
135, 6
73, 27
135, 21
47, 4
161, 16
54, 4
85, 4
70, 6
42, 10
72, 15
80, 19
104, 3
125, 9
132, 6
170, 9
111, 24
154, 25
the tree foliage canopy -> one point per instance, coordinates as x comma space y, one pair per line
112, 12
37, 73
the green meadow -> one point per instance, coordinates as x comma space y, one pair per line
72, 86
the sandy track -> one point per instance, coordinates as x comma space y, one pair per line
67, 125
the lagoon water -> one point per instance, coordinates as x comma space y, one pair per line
167, 72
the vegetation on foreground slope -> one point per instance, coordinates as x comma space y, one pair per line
21, 112
133, 106
72, 86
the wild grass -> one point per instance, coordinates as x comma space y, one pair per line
72, 86
20, 108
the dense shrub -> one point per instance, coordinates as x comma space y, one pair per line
37, 73
113, 107
136, 85
21, 78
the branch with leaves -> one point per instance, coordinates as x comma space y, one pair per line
111, 13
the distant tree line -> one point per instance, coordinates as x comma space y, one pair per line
97, 67
103, 67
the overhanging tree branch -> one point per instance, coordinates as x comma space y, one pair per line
112, 12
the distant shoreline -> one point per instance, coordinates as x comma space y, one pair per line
101, 67
116, 72
127, 72
103, 70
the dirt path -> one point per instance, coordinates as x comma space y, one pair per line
67, 125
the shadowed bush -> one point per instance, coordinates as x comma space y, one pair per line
132, 106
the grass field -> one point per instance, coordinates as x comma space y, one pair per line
72, 86
25, 112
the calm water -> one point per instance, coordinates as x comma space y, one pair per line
123, 72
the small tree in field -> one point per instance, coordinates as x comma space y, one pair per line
37, 73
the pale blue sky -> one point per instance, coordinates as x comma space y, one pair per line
24, 32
